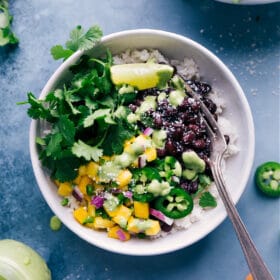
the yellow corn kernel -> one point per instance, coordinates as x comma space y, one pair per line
141, 209
122, 215
124, 178
135, 163
101, 223
64, 189
92, 170
77, 180
132, 225
116, 232
85, 180
151, 154
80, 214
154, 228
91, 210
82, 170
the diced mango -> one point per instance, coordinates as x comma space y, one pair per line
148, 226
65, 189
151, 154
98, 187
141, 209
85, 180
122, 215
118, 233
92, 170
112, 213
77, 180
132, 225
91, 210
124, 178
101, 223
154, 228
82, 170
80, 214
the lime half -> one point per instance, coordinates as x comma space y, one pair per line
141, 75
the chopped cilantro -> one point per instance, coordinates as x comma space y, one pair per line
84, 115
207, 200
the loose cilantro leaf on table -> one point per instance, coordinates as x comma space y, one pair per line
79, 40
207, 200
6, 34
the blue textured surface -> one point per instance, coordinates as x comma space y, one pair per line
247, 39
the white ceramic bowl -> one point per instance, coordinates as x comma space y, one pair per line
237, 111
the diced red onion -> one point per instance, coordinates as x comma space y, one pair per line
97, 201
142, 161
158, 214
148, 131
77, 194
121, 235
128, 194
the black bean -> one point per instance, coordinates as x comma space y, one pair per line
190, 186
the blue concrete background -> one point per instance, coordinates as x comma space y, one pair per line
246, 38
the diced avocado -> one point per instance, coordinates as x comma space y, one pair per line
161, 96
126, 89
109, 170
177, 169
148, 103
193, 161
178, 83
159, 137
121, 112
133, 118
137, 148
176, 97
189, 174
111, 203
158, 188
124, 159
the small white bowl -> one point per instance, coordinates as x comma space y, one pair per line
237, 111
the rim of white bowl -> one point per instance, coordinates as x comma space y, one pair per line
43, 184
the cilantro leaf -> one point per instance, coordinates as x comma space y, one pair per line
67, 129
59, 52
99, 114
53, 148
207, 200
79, 40
6, 34
119, 133
81, 149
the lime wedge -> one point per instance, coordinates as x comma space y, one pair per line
141, 75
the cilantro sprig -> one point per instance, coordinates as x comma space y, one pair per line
6, 34
79, 40
85, 116
207, 200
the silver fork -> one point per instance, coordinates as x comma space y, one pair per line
218, 147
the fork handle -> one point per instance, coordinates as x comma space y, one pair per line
257, 266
